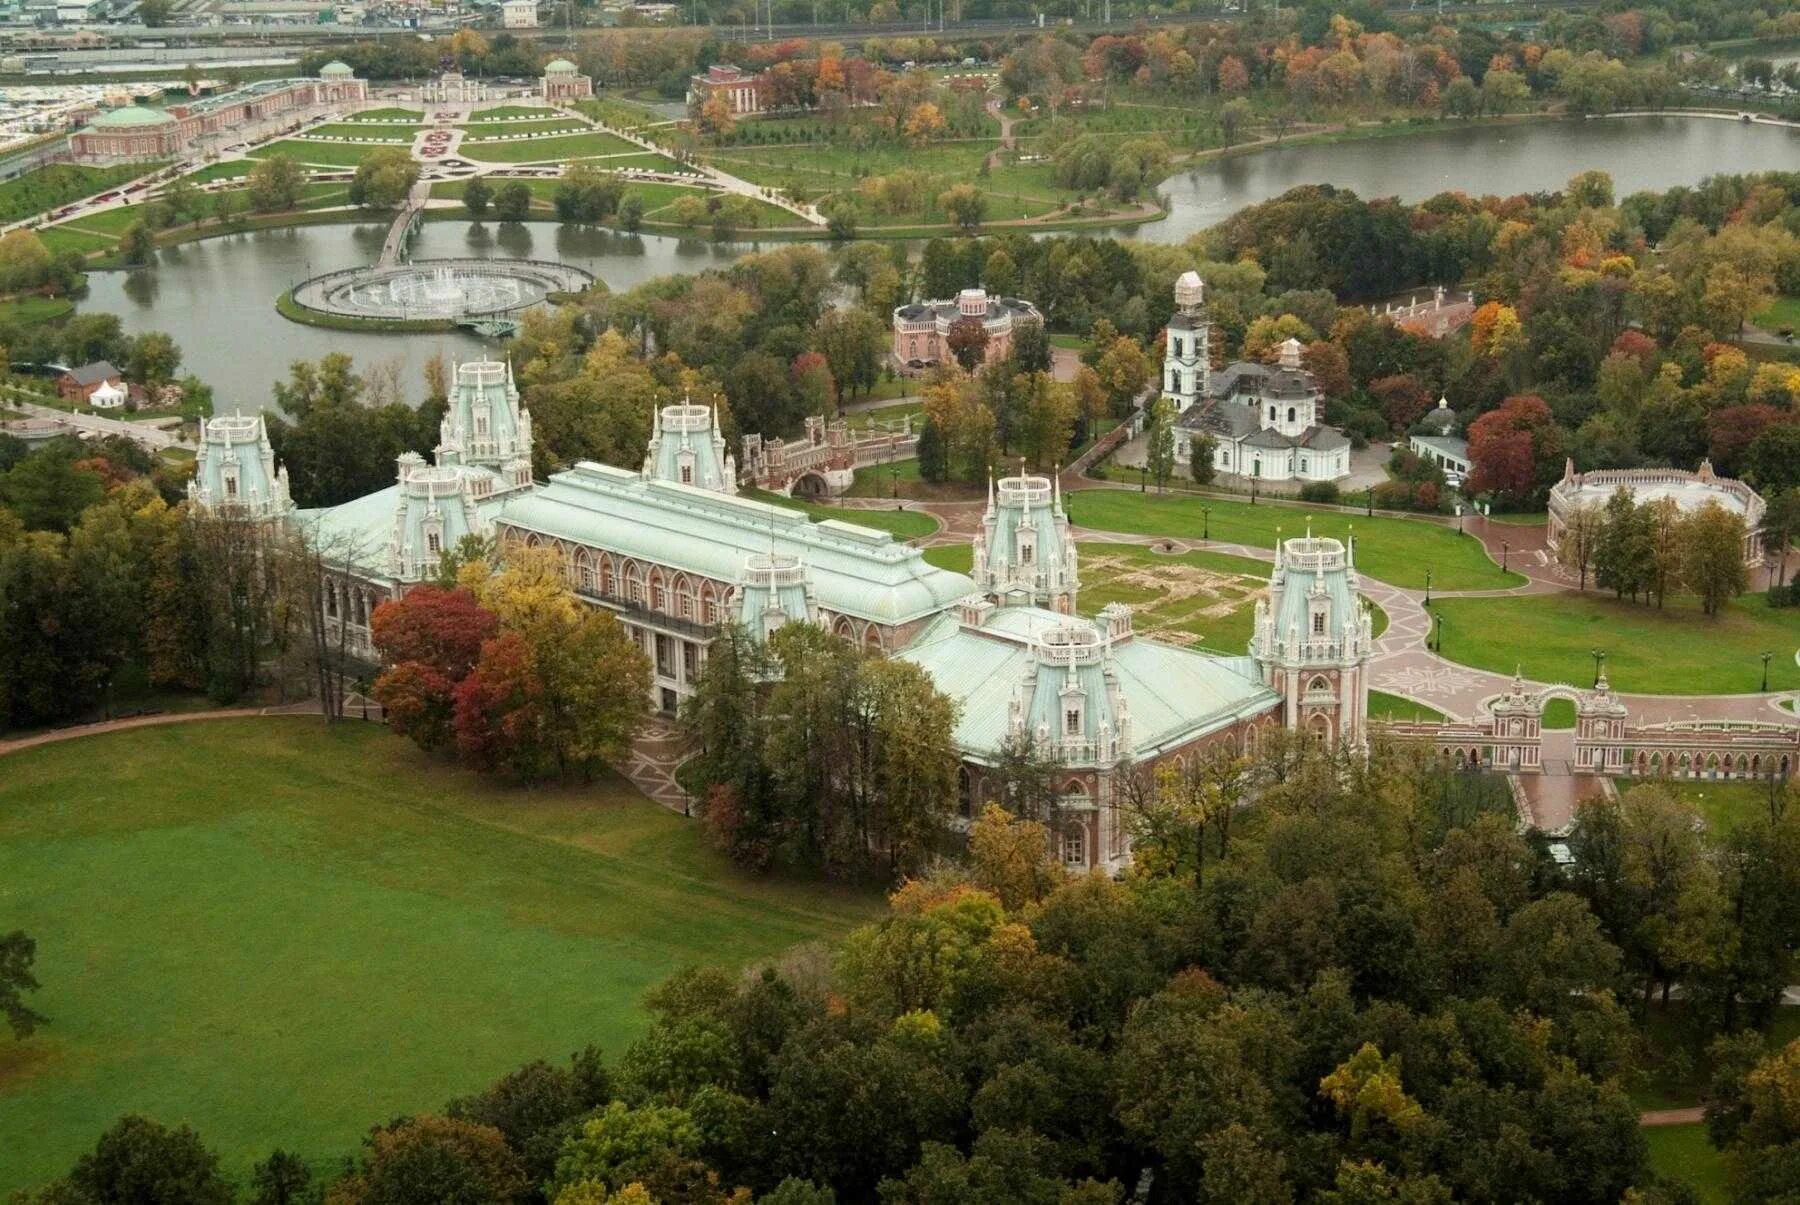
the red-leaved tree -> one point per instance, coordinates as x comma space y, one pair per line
1516, 449
430, 640
499, 710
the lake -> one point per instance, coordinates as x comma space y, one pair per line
1639, 152
217, 296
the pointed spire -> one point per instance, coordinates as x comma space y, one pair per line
990, 489
1056, 488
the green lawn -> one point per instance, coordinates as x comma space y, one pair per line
903, 524
503, 112
1396, 551
1785, 313
234, 170
325, 154
478, 131
283, 934
1723, 803
1685, 1153
43, 189
28, 311
957, 558
394, 135
67, 238
1383, 706
388, 115
534, 150
1674, 650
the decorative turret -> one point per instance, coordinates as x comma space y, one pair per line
1312, 637
235, 472
1024, 549
435, 510
1068, 698
485, 425
687, 447
1187, 359
774, 591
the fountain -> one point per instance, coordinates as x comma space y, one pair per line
481, 293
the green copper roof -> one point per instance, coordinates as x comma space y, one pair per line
336, 67
1160, 695
131, 117
555, 65
855, 570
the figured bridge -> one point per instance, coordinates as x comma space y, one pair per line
823, 462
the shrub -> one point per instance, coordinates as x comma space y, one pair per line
1319, 491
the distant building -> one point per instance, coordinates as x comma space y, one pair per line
454, 88
1689, 491
132, 133
80, 384
922, 328
563, 81
519, 14
1264, 421
1435, 439
741, 91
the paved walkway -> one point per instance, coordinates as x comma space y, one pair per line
1672, 1117
656, 752
146, 434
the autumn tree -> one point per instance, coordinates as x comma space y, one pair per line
429, 640
1712, 559
967, 340
964, 205
1515, 450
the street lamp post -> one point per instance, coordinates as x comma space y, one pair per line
1599, 656
1765, 684
1206, 528
1505, 551
1140, 479
1437, 627
1428, 585
1369, 500
1459, 518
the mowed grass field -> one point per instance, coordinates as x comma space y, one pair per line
1396, 551
1672, 650
545, 150
283, 934
1685, 1154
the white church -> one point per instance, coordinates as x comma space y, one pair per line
1264, 420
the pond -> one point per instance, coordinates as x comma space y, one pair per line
1639, 153
217, 297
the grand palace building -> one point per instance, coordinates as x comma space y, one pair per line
674, 551
135, 132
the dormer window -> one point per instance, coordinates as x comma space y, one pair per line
434, 543
481, 424
1072, 721
1291, 414
687, 474
1271, 414
231, 485
1318, 623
